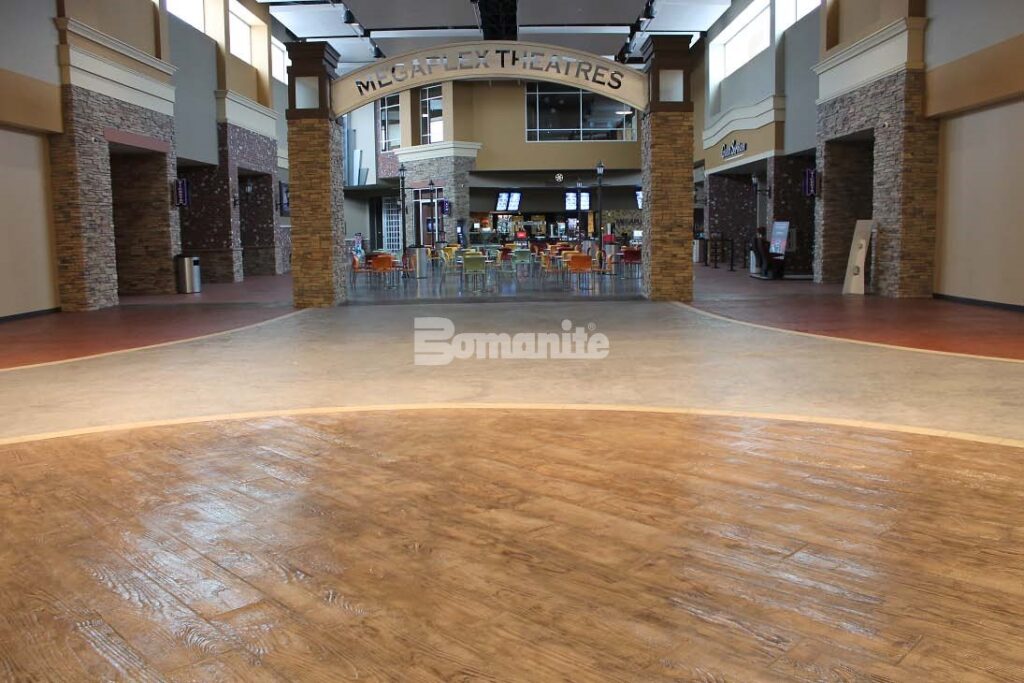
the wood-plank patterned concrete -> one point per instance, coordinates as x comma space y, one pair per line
511, 545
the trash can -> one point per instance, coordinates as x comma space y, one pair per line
610, 251
189, 281
421, 261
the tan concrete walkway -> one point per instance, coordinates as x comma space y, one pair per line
661, 355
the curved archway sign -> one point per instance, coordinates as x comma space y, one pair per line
490, 60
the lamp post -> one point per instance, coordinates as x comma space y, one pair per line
600, 179
579, 211
401, 198
433, 197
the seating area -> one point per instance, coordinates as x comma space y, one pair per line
507, 269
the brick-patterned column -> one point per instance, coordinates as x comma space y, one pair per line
316, 167
667, 160
316, 161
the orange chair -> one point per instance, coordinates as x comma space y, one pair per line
551, 266
383, 267
581, 265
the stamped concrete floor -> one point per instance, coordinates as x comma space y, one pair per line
760, 505
511, 545
661, 355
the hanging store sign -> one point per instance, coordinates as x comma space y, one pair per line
490, 60
733, 150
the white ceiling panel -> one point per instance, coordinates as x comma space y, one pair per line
561, 12
396, 46
686, 15
310, 21
605, 43
389, 14
352, 49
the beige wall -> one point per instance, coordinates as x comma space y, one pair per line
135, 22
27, 273
498, 122
29, 103
760, 141
981, 78
847, 21
981, 206
242, 78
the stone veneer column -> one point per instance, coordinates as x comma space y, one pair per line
83, 199
451, 174
667, 160
316, 160
905, 183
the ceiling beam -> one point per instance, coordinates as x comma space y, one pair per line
498, 19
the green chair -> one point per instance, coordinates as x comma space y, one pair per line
475, 266
522, 259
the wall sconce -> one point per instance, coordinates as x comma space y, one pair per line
767, 191
234, 199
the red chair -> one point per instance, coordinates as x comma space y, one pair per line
358, 268
631, 262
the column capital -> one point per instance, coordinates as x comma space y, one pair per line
314, 66
669, 61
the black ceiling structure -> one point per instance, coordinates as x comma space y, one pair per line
363, 31
498, 19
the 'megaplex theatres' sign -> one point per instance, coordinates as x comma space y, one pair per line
487, 60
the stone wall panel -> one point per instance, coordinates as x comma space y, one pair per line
83, 200
905, 183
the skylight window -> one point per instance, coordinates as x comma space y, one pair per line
192, 12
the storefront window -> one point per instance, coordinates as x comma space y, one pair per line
557, 113
431, 115
390, 124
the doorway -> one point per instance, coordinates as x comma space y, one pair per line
256, 213
847, 196
145, 239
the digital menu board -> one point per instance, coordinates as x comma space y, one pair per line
502, 202
514, 199
571, 203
